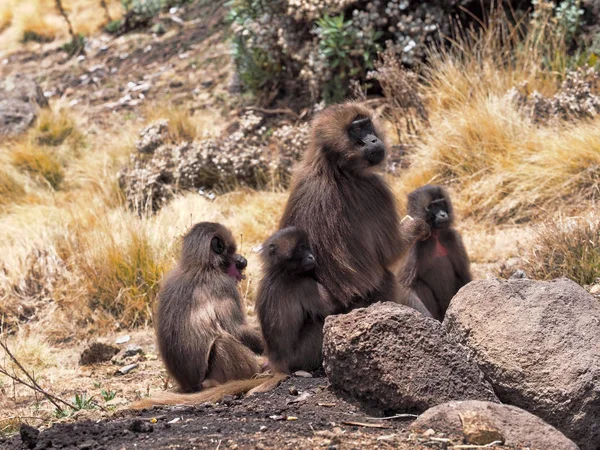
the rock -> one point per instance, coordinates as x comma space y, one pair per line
518, 274
480, 423
96, 353
538, 343
126, 369
133, 350
140, 426
123, 339
20, 100
302, 374
391, 357
29, 435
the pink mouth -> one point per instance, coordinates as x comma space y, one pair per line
233, 272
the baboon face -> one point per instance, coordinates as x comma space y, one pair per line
438, 214
363, 135
433, 205
349, 137
210, 245
290, 251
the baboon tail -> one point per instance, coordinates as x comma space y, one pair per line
229, 359
214, 394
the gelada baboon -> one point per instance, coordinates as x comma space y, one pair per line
348, 211
291, 305
200, 324
437, 267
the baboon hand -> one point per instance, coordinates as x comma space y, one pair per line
416, 228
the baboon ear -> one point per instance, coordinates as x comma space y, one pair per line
272, 249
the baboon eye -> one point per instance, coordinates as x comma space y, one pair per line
272, 249
217, 245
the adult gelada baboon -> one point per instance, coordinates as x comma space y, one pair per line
437, 267
290, 304
348, 211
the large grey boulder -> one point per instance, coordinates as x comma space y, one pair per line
481, 423
20, 100
393, 358
539, 345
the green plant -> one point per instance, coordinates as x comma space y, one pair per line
569, 14
258, 68
32, 36
108, 395
347, 54
113, 27
81, 401
75, 45
140, 12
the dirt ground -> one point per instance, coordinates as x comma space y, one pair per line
299, 413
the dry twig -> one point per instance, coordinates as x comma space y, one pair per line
31, 384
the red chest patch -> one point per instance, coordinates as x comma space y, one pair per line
440, 250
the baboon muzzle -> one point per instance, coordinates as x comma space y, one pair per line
240, 262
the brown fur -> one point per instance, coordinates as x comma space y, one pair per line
200, 325
214, 394
290, 304
349, 214
433, 276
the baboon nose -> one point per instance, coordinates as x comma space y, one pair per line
241, 263
310, 258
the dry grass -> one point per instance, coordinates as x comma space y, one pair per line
10, 189
39, 20
38, 162
183, 125
568, 247
56, 125
503, 166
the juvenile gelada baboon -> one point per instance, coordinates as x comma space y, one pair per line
349, 212
437, 267
290, 304
201, 328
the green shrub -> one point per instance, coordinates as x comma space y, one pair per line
346, 53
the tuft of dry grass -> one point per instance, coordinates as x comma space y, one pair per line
183, 126
11, 190
502, 165
56, 125
38, 162
565, 248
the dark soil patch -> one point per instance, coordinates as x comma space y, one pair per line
276, 419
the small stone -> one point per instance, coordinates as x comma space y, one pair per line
87, 445
293, 390
429, 432
133, 350
595, 289
518, 274
123, 339
302, 374
126, 369
264, 428
140, 426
